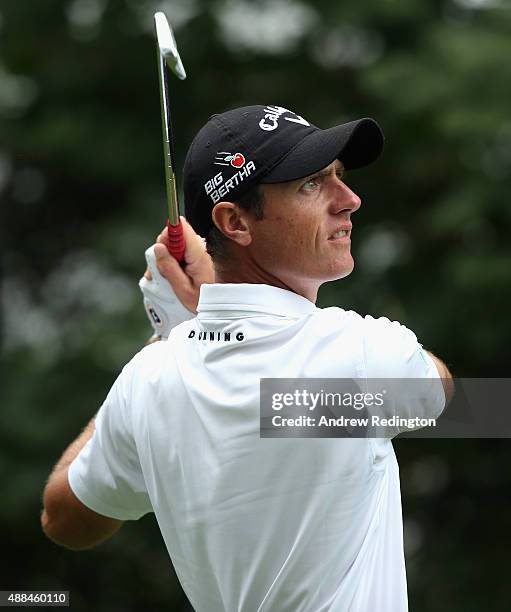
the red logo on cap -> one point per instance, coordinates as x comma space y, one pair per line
238, 160
225, 158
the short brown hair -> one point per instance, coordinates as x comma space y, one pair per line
217, 243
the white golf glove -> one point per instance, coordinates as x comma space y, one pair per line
163, 308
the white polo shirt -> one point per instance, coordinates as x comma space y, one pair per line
251, 524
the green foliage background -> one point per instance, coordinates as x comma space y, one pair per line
81, 185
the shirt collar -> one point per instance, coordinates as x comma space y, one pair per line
247, 297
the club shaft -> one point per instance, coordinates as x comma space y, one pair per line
168, 145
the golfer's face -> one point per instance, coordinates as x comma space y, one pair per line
306, 230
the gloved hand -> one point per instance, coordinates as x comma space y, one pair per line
171, 292
162, 307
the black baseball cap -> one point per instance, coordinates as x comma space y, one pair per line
243, 147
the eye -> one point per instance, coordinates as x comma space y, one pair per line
340, 175
310, 184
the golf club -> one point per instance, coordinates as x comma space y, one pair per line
168, 58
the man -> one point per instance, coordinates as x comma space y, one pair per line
250, 523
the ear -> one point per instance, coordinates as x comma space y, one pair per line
233, 222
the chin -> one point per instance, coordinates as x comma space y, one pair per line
342, 270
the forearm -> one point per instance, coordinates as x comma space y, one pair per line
57, 481
445, 375
65, 520
73, 449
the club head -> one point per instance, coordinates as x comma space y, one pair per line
167, 45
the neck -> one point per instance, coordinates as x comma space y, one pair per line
250, 272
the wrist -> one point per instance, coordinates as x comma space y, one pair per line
154, 338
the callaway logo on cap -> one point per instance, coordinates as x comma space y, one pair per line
240, 148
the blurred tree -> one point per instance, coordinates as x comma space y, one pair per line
81, 180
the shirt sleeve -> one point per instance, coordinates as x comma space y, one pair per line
392, 352
106, 475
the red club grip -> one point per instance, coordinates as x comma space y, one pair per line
176, 241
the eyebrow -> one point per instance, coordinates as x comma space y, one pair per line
322, 173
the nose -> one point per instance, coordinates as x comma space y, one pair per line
345, 199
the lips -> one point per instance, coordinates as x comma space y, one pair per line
341, 232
